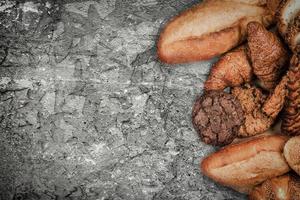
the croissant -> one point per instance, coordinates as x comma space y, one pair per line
233, 69
268, 54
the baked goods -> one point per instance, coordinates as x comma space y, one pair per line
217, 117
286, 187
286, 13
259, 110
210, 28
261, 86
291, 115
233, 69
267, 54
289, 23
292, 153
244, 165
252, 99
275, 101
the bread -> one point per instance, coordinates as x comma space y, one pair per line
217, 116
286, 14
233, 69
209, 29
275, 101
291, 112
268, 55
286, 187
243, 165
259, 110
292, 153
252, 98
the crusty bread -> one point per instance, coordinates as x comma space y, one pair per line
284, 187
286, 14
292, 153
243, 165
209, 29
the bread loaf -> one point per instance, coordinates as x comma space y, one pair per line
211, 28
244, 165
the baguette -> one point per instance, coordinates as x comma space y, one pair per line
210, 28
243, 165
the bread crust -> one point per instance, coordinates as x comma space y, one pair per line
210, 45
243, 165
209, 29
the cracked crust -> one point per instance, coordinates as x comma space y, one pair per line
216, 117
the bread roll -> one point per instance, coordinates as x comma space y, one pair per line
243, 165
292, 153
211, 28
284, 187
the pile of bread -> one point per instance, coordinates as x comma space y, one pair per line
257, 123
